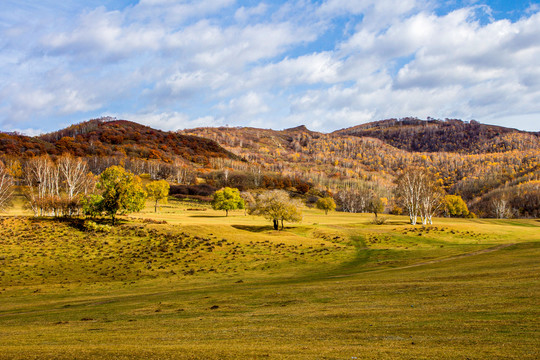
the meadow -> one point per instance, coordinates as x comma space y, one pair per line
190, 283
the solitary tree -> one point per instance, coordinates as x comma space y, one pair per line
122, 192
158, 191
326, 203
227, 199
454, 206
276, 205
375, 205
249, 200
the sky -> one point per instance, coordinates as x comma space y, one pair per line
326, 64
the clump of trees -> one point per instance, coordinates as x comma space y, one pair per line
227, 199
121, 193
277, 206
55, 188
420, 194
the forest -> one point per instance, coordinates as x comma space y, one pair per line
494, 171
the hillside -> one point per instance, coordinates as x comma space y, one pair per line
451, 135
488, 162
340, 160
109, 138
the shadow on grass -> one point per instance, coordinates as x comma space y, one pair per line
254, 228
77, 222
207, 216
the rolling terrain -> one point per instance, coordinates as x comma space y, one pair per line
190, 283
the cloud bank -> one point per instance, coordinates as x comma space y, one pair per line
326, 64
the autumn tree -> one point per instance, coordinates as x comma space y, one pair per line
326, 204
227, 199
455, 206
276, 205
249, 200
6, 186
376, 205
121, 193
158, 191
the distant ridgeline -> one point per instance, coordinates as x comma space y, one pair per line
481, 163
449, 135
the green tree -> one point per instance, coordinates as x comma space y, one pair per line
227, 199
92, 205
122, 192
326, 203
276, 205
455, 206
376, 205
158, 191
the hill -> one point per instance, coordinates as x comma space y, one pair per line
449, 135
479, 162
108, 137
342, 159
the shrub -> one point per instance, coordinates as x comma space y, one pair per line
93, 227
379, 220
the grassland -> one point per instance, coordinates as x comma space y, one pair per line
206, 286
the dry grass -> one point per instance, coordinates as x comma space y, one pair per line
206, 286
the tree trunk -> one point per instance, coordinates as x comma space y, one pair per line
276, 224
155, 206
281, 224
226, 212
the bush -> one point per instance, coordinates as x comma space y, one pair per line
93, 227
380, 220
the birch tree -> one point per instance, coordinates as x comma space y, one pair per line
6, 186
73, 171
410, 186
419, 194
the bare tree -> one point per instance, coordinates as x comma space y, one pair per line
501, 207
431, 201
73, 171
6, 186
419, 194
39, 174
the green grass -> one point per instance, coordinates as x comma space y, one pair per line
206, 286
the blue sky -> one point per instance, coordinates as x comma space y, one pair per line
328, 64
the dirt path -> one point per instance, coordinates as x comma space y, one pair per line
434, 261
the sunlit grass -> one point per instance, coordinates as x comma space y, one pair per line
203, 285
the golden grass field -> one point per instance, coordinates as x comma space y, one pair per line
206, 286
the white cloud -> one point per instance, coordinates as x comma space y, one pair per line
244, 14
168, 121
330, 64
